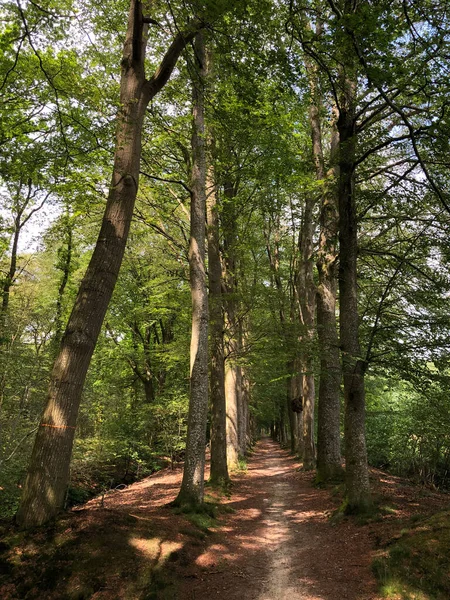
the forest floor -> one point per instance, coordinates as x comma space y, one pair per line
274, 538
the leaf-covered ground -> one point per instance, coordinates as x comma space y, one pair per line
276, 537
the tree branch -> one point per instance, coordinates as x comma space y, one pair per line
164, 71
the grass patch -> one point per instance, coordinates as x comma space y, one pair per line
202, 516
417, 566
160, 587
242, 465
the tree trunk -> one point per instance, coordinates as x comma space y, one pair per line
242, 398
149, 390
192, 486
20, 220
328, 426
231, 394
294, 404
306, 294
245, 395
219, 468
9, 279
282, 429
232, 373
357, 477
45, 486
66, 267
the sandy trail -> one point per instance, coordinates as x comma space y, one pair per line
277, 543
280, 545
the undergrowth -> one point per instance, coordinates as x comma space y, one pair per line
417, 566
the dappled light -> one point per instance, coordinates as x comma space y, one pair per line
273, 535
224, 300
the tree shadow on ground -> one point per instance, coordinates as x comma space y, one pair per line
131, 546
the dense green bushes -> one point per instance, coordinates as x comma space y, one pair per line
408, 429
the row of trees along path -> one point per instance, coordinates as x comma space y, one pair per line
48, 473
277, 543
337, 149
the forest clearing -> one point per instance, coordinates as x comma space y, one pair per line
273, 538
225, 244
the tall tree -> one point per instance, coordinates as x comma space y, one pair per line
307, 297
328, 423
232, 368
219, 468
45, 486
192, 485
357, 474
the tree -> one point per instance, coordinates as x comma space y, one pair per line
46, 482
192, 485
219, 468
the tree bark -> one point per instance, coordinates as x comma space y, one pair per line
242, 397
219, 467
328, 425
294, 399
45, 486
357, 476
192, 486
307, 297
232, 371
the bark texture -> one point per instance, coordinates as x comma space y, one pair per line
357, 476
192, 485
233, 378
307, 296
45, 487
219, 468
328, 426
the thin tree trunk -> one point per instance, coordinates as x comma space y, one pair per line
293, 385
9, 279
21, 204
147, 377
219, 468
357, 477
45, 486
242, 398
246, 396
294, 403
192, 486
282, 435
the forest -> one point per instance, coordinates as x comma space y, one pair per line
222, 221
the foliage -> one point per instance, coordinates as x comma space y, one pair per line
416, 567
407, 428
59, 93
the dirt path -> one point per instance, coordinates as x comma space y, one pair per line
277, 542
280, 544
